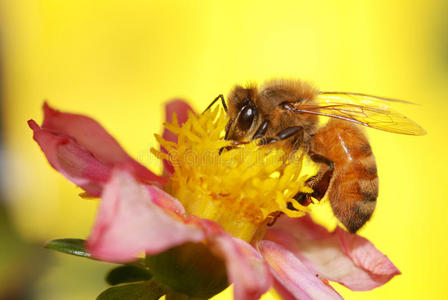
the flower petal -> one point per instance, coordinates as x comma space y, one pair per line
348, 259
77, 145
365, 254
246, 268
71, 160
130, 223
166, 201
293, 278
181, 108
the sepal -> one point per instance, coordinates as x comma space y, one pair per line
127, 274
191, 269
70, 246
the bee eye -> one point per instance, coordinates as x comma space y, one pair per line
246, 117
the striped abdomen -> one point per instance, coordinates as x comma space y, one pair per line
354, 186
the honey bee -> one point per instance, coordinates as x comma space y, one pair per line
286, 112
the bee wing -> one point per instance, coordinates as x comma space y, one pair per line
362, 109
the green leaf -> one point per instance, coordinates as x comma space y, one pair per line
126, 274
69, 246
146, 290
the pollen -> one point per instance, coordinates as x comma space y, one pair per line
244, 188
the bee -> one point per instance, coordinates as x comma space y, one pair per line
286, 113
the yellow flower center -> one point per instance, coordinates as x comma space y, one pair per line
242, 189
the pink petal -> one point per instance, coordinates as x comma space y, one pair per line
130, 223
246, 268
293, 278
79, 148
338, 256
181, 108
365, 254
71, 160
166, 201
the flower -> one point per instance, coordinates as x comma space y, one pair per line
224, 203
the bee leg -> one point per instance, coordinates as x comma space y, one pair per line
226, 137
289, 132
234, 145
267, 141
320, 182
261, 131
274, 217
294, 131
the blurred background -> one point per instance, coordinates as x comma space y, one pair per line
119, 61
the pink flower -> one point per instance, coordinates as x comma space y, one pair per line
136, 216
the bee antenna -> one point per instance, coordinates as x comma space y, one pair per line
214, 101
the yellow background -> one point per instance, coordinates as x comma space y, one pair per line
119, 61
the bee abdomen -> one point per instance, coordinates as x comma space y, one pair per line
353, 202
354, 188
354, 192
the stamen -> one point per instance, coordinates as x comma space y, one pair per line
242, 188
